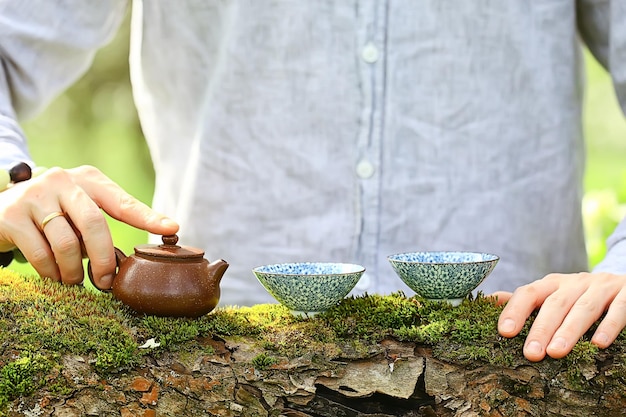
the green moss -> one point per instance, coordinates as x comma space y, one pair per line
114, 349
583, 355
430, 333
60, 387
464, 333
49, 317
372, 317
22, 376
74, 320
170, 332
263, 361
55, 320
229, 322
194, 350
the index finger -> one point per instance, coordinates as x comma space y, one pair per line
119, 204
522, 303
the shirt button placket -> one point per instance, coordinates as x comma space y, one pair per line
367, 169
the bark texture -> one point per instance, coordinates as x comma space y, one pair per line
264, 362
397, 379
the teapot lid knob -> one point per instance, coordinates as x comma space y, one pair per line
170, 240
169, 249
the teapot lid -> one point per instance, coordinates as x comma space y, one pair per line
169, 249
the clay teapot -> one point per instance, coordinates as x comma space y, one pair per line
167, 280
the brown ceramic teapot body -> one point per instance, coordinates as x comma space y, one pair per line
168, 280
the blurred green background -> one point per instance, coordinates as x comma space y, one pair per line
95, 123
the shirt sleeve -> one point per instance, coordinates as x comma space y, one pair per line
615, 259
602, 26
45, 46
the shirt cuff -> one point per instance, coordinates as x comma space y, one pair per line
12, 144
615, 260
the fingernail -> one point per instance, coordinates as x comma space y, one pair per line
507, 326
533, 347
558, 344
602, 338
106, 281
168, 222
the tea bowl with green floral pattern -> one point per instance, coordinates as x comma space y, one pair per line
443, 276
307, 288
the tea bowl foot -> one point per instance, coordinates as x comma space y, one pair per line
304, 314
453, 301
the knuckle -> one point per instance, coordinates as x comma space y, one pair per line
528, 291
54, 171
39, 189
557, 299
52, 174
102, 263
552, 276
619, 303
609, 280
92, 219
560, 278
66, 244
540, 330
611, 325
88, 171
33, 195
587, 305
585, 277
38, 256
127, 202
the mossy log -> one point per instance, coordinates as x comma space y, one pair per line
69, 351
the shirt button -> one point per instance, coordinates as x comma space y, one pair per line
365, 169
370, 53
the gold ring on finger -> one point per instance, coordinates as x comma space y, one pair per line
49, 218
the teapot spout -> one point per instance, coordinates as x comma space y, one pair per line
218, 268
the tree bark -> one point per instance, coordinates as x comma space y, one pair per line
398, 379
237, 374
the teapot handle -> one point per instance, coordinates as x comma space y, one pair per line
120, 257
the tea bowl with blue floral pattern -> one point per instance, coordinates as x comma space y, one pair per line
443, 276
307, 288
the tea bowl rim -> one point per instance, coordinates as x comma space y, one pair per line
490, 257
356, 268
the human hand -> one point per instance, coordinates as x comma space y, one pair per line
56, 249
569, 304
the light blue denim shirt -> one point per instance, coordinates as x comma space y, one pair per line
344, 130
